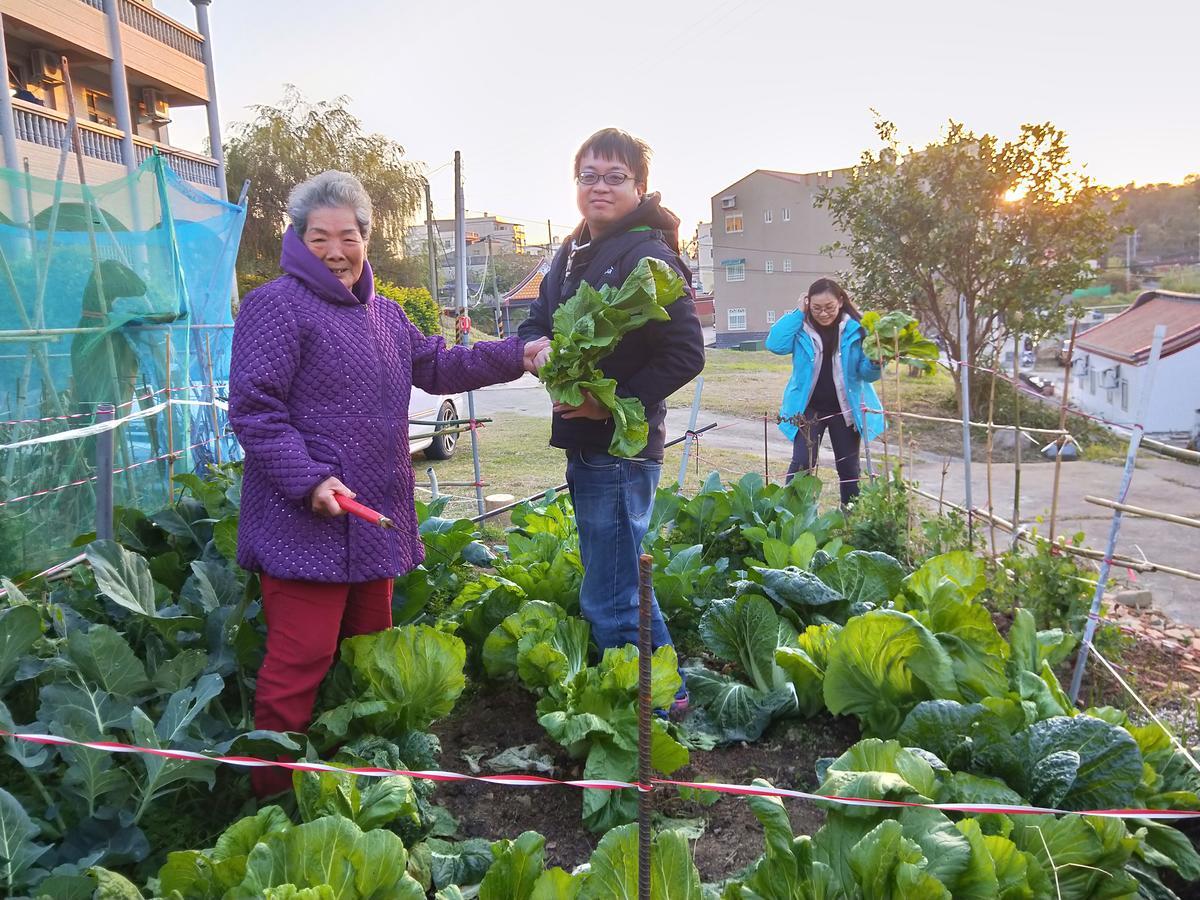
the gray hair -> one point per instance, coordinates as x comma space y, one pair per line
330, 190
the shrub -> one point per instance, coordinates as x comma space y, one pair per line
418, 304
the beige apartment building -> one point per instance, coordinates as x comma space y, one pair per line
130, 65
767, 235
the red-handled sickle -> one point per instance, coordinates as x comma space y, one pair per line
363, 512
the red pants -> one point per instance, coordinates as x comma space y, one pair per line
306, 621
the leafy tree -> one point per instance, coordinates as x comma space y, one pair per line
1010, 226
286, 144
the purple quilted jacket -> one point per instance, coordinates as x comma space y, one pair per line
319, 385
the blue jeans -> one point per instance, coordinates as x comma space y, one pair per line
613, 499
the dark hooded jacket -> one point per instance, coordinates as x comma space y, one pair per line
650, 363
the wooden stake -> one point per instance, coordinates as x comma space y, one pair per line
1016, 517
1062, 423
990, 434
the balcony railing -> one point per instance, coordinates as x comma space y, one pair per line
95, 4
149, 21
48, 128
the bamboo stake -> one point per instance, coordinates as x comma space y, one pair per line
1017, 434
1062, 423
899, 406
990, 434
170, 426
212, 397
1141, 511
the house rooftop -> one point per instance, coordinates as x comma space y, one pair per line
527, 288
1126, 337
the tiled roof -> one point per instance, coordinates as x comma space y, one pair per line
527, 287
1127, 337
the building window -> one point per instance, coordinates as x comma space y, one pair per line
1092, 382
735, 318
735, 272
1125, 394
787, 214
770, 266
733, 224
787, 265
768, 217
770, 317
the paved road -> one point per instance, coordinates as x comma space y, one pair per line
1161, 484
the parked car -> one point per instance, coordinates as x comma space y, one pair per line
424, 407
1043, 386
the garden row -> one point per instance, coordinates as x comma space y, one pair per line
779, 611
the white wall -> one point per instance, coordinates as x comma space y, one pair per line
1173, 403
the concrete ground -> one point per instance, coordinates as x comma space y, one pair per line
1159, 484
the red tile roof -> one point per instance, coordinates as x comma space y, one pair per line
527, 287
1127, 337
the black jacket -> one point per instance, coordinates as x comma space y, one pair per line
650, 363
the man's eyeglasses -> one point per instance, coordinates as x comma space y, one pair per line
612, 179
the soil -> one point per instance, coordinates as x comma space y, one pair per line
498, 717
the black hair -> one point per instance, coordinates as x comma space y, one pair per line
829, 286
613, 143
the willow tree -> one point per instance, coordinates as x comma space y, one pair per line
286, 144
1011, 226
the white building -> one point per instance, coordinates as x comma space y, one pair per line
704, 258
1110, 364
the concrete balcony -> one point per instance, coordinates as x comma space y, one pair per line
162, 52
41, 134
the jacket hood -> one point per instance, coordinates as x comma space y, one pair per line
650, 214
298, 261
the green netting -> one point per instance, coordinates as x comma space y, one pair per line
118, 294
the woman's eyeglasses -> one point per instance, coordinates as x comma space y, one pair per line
612, 179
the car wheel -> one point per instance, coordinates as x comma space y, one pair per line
443, 444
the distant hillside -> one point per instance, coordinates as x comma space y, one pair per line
1167, 219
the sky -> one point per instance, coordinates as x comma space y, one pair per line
717, 87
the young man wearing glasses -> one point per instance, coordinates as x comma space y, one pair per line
613, 497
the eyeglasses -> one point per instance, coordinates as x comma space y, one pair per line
612, 179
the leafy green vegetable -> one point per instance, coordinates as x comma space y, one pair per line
895, 336
587, 328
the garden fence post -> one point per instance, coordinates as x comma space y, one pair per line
690, 436
1061, 440
433, 485
1016, 516
964, 381
1135, 439
105, 412
645, 713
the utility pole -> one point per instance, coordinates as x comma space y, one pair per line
549, 241
433, 279
495, 291
460, 292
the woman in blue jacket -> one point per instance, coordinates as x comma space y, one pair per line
830, 388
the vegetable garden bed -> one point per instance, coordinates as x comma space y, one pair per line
814, 661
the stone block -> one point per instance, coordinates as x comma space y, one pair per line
1139, 599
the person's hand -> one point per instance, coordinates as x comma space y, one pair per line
535, 355
591, 408
323, 502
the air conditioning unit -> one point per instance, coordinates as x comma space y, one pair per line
158, 110
1110, 379
729, 202
47, 67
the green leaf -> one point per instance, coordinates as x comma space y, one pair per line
112, 886
745, 631
333, 852
796, 589
517, 867
225, 537
883, 663
122, 576
535, 619
107, 661
463, 863
555, 660
959, 573
212, 585
20, 627
613, 874
416, 672
804, 665
555, 884
863, 576
180, 670
18, 851
1109, 768
1083, 856
738, 711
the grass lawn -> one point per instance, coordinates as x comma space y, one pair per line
516, 458
739, 383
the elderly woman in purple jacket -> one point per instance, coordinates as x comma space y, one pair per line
320, 379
